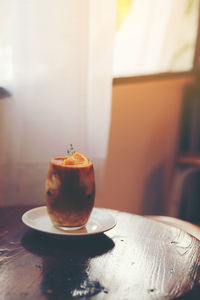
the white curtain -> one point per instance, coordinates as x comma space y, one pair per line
61, 80
155, 36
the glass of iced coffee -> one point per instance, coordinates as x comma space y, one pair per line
70, 191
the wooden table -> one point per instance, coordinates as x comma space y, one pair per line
140, 258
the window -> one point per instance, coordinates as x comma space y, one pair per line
154, 36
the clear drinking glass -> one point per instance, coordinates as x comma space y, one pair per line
70, 193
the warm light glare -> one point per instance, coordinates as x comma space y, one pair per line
123, 9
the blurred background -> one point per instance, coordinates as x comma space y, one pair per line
119, 80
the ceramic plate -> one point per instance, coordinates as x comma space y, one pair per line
100, 221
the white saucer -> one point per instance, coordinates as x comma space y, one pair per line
100, 221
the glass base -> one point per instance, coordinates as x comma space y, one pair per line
69, 228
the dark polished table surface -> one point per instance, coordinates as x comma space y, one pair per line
141, 258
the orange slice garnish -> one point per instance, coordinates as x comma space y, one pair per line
76, 159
